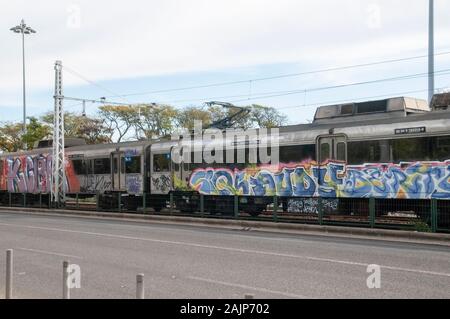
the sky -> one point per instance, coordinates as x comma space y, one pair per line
123, 49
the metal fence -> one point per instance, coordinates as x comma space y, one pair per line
428, 215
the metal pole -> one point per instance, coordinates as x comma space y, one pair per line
140, 290
24, 98
9, 274
431, 52
66, 290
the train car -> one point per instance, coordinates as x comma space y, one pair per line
398, 148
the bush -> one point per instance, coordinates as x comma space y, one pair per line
422, 227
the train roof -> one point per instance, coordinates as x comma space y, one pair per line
418, 117
112, 145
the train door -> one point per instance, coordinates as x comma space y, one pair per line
118, 171
332, 148
161, 179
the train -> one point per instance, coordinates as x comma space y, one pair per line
395, 148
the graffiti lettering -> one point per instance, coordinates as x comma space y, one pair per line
133, 183
33, 174
161, 183
311, 205
420, 180
93, 183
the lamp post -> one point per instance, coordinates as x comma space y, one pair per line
23, 29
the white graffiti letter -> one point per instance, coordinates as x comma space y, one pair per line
374, 280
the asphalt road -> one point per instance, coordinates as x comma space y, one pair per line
200, 262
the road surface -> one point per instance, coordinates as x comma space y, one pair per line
201, 262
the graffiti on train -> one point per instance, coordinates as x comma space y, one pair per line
311, 205
134, 183
33, 174
161, 183
93, 183
420, 180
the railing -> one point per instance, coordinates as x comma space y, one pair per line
428, 215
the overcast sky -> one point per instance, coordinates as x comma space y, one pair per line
140, 46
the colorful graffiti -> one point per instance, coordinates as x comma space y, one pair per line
421, 180
3, 174
32, 174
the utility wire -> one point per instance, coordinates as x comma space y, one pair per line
263, 95
408, 77
365, 98
280, 76
77, 74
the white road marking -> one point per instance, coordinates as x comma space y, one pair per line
245, 251
229, 284
45, 252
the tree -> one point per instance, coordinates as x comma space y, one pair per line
118, 119
92, 130
12, 138
154, 121
186, 117
36, 131
266, 117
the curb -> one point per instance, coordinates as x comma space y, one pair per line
262, 226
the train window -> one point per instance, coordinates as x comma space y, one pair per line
412, 149
79, 167
443, 141
340, 149
368, 152
441, 148
102, 166
297, 153
90, 166
132, 164
325, 152
347, 109
161, 162
371, 107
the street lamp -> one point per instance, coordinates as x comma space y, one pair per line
23, 29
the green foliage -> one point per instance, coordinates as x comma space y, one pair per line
422, 227
180, 185
186, 117
119, 119
154, 121
92, 130
12, 138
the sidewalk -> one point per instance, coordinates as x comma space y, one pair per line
246, 225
